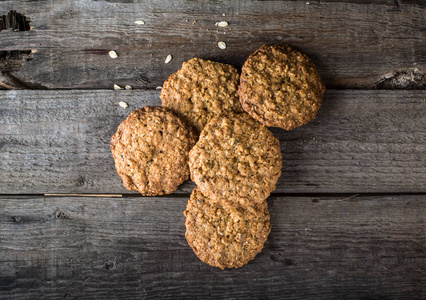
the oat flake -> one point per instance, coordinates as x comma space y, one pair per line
117, 87
140, 22
222, 24
168, 59
221, 45
123, 104
113, 54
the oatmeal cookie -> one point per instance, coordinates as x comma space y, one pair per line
200, 90
150, 150
236, 161
223, 237
281, 87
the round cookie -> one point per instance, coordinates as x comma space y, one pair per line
236, 161
150, 150
281, 87
223, 237
200, 90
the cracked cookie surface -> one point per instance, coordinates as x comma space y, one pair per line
281, 87
200, 90
223, 237
150, 150
236, 161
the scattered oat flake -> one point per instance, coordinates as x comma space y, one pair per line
168, 59
187, 20
158, 87
117, 87
140, 22
221, 45
123, 104
194, 22
128, 87
223, 15
113, 54
222, 24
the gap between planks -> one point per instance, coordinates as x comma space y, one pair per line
347, 196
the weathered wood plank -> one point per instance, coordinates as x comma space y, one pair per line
362, 141
109, 248
354, 45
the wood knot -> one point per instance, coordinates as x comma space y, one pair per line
59, 214
83, 181
16, 219
110, 265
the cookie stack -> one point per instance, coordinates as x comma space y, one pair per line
236, 161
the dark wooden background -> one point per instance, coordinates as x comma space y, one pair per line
348, 215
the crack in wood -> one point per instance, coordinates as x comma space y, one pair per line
15, 21
10, 81
14, 60
403, 79
11, 61
8, 58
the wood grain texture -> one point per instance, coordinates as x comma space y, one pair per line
109, 248
354, 43
362, 141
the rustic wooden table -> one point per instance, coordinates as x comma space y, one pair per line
348, 215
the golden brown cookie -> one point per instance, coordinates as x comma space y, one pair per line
236, 161
223, 237
150, 150
200, 90
281, 87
